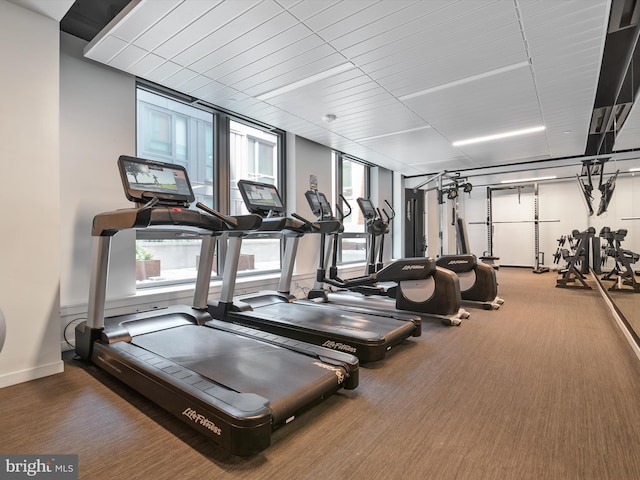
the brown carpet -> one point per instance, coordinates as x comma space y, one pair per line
544, 388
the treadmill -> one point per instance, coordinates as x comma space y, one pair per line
367, 335
233, 384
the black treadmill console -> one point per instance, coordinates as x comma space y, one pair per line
261, 198
319, 204
367, 207
146, 180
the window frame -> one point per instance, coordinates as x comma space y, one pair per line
221, 168
338, 160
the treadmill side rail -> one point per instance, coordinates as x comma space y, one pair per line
240, 423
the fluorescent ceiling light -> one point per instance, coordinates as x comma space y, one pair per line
392, 133
498, 136
634, 169
306, 81
536, 179
462, 81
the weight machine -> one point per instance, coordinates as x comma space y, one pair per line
538, 255
622, 274
448, 187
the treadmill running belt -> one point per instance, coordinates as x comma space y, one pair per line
365, 328
286, 378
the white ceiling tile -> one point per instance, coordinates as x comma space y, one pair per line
395, 40
146, 64
195, 83
222, 35
410, 12
275, 48
163, 72
108, 47
508, 102
305, 9
176, 80
237, 46
142, 18
336, 12
236, 49
314, 61
176, 21
127, 57
290, 53
217, 17
354, 22
289, 3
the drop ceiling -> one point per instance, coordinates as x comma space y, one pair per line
404, 78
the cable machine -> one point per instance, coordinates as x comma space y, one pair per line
451, 191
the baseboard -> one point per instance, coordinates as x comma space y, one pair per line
31, 374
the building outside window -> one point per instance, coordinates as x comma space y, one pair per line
170, 131
353, 182
174, 132
253, 155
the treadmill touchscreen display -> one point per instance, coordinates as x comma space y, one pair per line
260, 197
367, 207
319, 204
146, 179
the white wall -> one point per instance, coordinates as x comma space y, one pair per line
306, 158
97, 125
558, 200
29, 152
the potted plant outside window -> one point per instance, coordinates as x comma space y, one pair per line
146, 265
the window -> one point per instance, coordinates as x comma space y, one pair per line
253, 155
170, 131
353, 182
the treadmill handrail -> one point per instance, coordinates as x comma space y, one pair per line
109, 223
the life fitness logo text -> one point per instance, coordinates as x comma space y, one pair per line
53, 467
201, 420
413, 267
339, 346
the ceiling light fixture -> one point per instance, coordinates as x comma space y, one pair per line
498, 136
536, 179
634, 169
306, 81
329, 117
462, 81
392, 133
